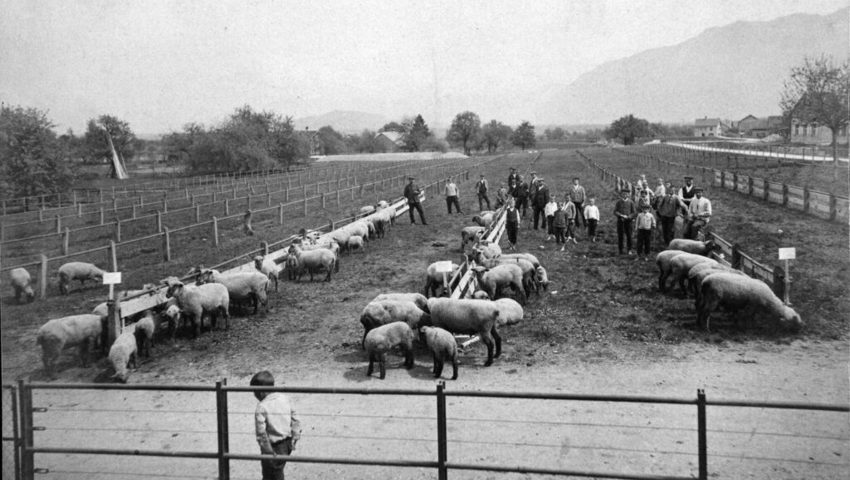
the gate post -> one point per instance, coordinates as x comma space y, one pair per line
442, 441
223, 430
701, 432
27, 460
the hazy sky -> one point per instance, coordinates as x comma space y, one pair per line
161, 64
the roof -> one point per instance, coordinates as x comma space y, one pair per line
706, 122
393, 136
747, 118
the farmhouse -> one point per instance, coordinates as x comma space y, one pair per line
389, 141
709, 127
752, 126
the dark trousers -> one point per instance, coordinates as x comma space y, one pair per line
483, 196
667, 226
559, 234
550, 228
452, 200
418, 207
644, 239
522, 205
579, 213
538, 214
570, 229
624, 231
591, 227
511, 228
273, 469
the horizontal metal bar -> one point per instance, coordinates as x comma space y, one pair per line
827, 407
573, 396
142, 453
115, 386
351, 391
336, 460
553, 471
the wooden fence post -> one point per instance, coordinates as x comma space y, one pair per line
337, 198
133, 210
248, 202
42, 277
305, 206
158, 221
268, 198
784, 195
117, 232
114, 204
280, 213
102, 216
113, 256
41, 214
166, 245
779, 281
806, 199
264, 246
323, 201
736, 257
66, 240
58, 224
833, 207
215, 230
197, 214
79, 210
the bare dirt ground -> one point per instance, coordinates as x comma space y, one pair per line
602, 328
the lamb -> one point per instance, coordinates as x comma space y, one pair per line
510, 312
484, 218
241, 286
468, 316
417, 298
470, 234
21, 280
123, 353
383, 312
382, 339
193, 301
268, 267
443, 346
144, 330
356, 242
173, 315
313, 261
749, 295
487, 250
434, 279
325, 242
78, 271
663, 260
360, 228
493, 280
692, 246
75, 330
681, 264
382, 204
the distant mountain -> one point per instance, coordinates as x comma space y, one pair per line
726, 72
343, 121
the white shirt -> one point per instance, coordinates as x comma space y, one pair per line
660, 191
700, 208
591, 212
550, 208
451, 189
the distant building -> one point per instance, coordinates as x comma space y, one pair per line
709, 127
810, 132
752, 126
747, 123
389, 141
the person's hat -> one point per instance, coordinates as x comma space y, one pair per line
689, 178
482, 175
513, 168
625, 190
698, 190
575, 178
410, 177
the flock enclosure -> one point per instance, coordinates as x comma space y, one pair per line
600, 307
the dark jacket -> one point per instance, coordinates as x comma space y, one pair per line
521, 190
411, 193
560, 219
541, 198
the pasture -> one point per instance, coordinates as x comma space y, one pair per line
602, 327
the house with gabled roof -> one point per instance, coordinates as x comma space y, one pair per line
709, 127
390, 141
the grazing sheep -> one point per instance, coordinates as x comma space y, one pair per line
382, 339
241, 286
698, 272
268, 267
367, 209
194, 301
484, 218
355, 242
663, 260
382, 204
480, 295
434, 279
468, 316
101, 310
341, 236
144, 330
681, 264
123, 353
526, 256
75, 330
313, 261
21, 280
81, 271
510, 312
470, 234
692, 246
361, 228
529, 273
753, 298
487, 250
495, 279
443, 346
383, 312
417, 298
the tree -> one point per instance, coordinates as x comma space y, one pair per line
96, 146
495, 133
627, 128
817, 92
333, 141
523, 136
393, 127
34, 160
465, 130
416, 134
556, 133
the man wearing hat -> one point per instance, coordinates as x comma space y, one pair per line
686, 193
539, 201
577, 196
451, 192
669, 207
624, 212
411, 193
481, 186
513, 178
699, 213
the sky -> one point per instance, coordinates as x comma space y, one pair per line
162, 64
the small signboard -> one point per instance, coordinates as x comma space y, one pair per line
111, 278
787, 253
444, 267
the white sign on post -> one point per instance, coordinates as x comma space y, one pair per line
787, 253
444, 266
111, 278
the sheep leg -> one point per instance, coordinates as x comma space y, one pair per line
382, 363
454, 367
330, 269
255, 299
438, 367
488, 340
226, 317
521, 293
371, 364
408, 357
84, 353
662, 282
498, 339
436, 360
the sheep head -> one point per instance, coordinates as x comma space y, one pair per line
790, 320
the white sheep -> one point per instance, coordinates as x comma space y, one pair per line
698, 272
542, 278
488, 250
663, 260
362, 228
681, 264
73, 331
382, 312
468, 316
194, 301
382, 339
470, 234
312, 261
484, 218
443, 346
123, 353
434, 279
172, 316
510, 312
20, 279
529, 273
81, 271
268, 267
367, 209
145, 329
417, 298
383, 204
241, 286
495, 279
751, 297
692, 246
356, 242
525, 256
480, 295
